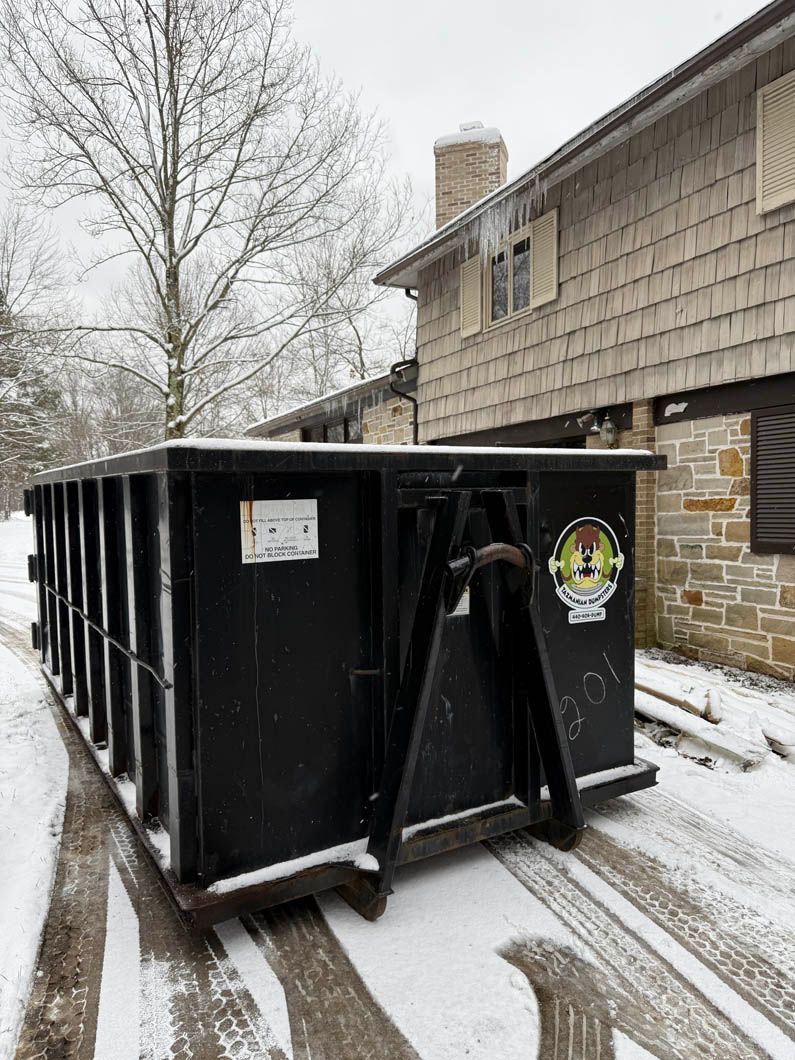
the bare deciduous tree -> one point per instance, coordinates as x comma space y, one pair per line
250, 191
29, 394
358, 346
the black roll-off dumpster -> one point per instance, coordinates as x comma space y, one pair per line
315, 663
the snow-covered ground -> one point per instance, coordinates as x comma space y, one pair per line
33, 777
17, 597
481, 952
757, 801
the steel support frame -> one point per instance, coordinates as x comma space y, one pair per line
420, 682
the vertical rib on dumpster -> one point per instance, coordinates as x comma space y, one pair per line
61, 584
141, 692
92, 605
53, 657
420, 677
75, 583
109, 516
176, 571
41, 573
386, 549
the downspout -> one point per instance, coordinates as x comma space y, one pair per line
394, 372
397, 368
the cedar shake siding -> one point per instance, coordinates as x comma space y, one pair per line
669, 279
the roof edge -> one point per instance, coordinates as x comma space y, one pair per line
712, 64
298, 413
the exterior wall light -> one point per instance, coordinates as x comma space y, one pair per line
608, 432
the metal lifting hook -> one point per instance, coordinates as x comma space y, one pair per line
461, 570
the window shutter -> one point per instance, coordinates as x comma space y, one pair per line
775, 144
544, 270
470, 297
773, 480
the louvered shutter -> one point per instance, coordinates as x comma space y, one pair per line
773, 480
470, 297
544, 269
775, 144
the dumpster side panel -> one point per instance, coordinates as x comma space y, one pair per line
62, 587
75, 596
114, 612
177, 636
92, 602
139, 520
284, 737
53, 657
41, 573
590, 627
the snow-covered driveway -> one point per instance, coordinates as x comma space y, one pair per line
669, 933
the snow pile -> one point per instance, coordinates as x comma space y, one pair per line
17, 594
756, 804
733, 720
33, 777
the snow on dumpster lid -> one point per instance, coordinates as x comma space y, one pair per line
346, 447
156, 457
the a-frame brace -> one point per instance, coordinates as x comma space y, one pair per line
447, 571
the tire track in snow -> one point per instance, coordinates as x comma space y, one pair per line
735, 941
333, 1015
656, 816
193, 1001
575, 1016
649, 1000
61, 1017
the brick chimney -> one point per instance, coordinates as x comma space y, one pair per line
469, 164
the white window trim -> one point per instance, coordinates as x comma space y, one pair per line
507, 246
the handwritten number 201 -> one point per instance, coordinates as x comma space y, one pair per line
595, 692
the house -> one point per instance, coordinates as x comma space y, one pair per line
379, 411
645, 272
640, 282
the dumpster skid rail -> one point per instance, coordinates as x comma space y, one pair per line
302, 666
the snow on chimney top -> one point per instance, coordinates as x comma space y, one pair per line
470, 163
470, 132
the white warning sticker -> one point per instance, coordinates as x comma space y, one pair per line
462, 607
272, 531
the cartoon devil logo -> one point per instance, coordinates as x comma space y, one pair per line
585, 565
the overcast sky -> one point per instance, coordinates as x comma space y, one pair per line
538, 71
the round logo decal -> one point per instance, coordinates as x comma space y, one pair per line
585, 565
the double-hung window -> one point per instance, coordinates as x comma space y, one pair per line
519, 275
508, 287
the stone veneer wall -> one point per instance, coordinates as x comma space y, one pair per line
717, 601
388, 423
641, 436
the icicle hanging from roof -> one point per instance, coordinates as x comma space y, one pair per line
495, 224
